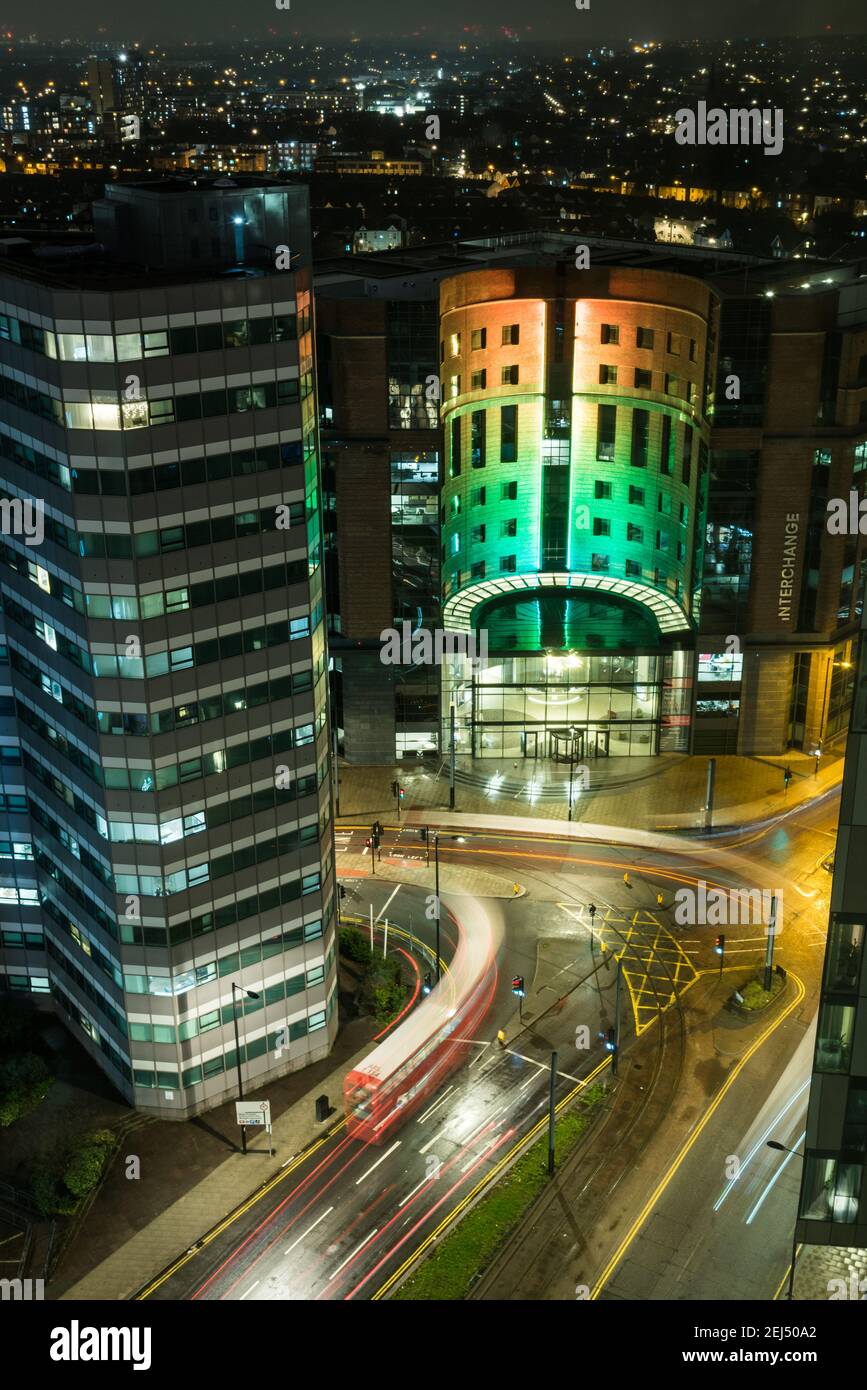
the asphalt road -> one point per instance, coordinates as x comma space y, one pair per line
343, 1218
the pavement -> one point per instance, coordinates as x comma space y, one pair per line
454, 879
132, 1257
664, 793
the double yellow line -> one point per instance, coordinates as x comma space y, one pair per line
693, 1138
485, 1182
240, 1211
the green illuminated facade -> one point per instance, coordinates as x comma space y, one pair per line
576, 422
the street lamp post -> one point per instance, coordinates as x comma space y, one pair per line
571, 765
436, 844
781, 1148
250, 995
436, 840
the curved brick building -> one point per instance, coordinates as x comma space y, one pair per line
576, 419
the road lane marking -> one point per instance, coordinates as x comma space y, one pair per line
395, 1145
436, 1105
438, 1135
307, 1232
352, 1255
779, 1173
251, 1288
383, 910
696, 1133
416, 1189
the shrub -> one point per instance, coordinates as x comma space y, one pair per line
24, 1084
43, 1189
86, 1161
354, 945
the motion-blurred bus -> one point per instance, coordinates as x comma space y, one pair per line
407, 1067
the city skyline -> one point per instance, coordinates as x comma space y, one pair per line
433, 670
551, 20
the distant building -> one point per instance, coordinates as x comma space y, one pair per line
292, 156
102, 86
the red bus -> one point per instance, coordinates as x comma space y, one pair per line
407, 1067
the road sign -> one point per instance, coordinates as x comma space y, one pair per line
253, 1112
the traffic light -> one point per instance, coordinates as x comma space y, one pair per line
394, 788
611, 1040
341, 891
428, 984
787, 776
401, 793
592, 911
518, 986
720, 945
422, 834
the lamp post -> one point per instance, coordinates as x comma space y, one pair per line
250, 995
436, 841
571, 765
437, 896
781, 1148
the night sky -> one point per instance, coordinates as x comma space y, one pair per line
438, 21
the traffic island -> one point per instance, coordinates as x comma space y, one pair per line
752, 998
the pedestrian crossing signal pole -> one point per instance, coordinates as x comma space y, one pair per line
518, 989
616, 1047
769, 953
552, 1114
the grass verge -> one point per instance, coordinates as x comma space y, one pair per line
466, 1251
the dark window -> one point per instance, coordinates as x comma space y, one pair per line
601, 489
643, 378
610, 333
511, 334
640, 437
455, 466
508, 434
665, 446
644, 338
477, 439
687, 454
606, 427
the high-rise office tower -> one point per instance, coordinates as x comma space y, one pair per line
167, 834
